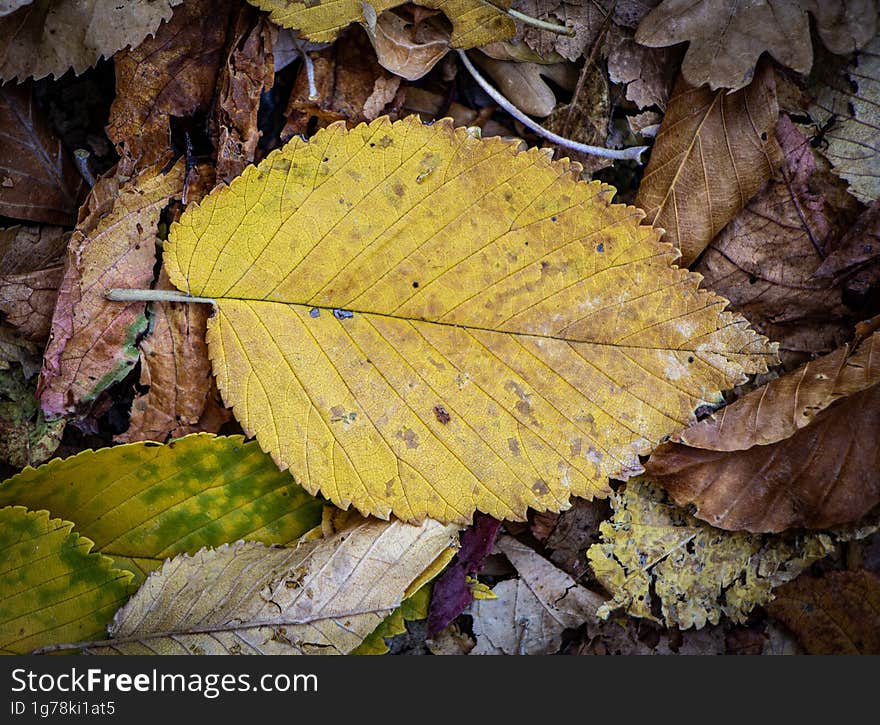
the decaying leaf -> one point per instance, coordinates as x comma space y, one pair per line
524, 85
697, 572
142, 503
27, 301
649, 73
855, 261
248, 71
727, 37
38, 180
571, 533
351, 87
51, 587
93, 342
584, 18
409, 41
493, 335
26, 248
50, 36
453, 592
323, 597
852, 113
474, 22
714, 152
172, 74
629, 636
26, 437
10, 6
799, 452
765, 260
413, 608
530, 612
175, 373
835, 614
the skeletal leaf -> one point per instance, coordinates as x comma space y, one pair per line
52, 589
727, 37
474, 22
323, 597
50, 36
714, 151
493, 334
698, 572
852, 113
142, 503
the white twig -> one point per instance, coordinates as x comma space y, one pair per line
633, 153
81, 156
310, 68
543, 24
153, 295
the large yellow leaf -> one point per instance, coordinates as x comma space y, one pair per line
474, 22
419, 322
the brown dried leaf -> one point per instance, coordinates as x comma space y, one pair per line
25, 249
572, 532
727, 37
836, 614
648, 73
347, 76
93, 341
855, 262
523, 84
764, 260
51, 36
799, 452
38, 180
171, 74
585, 18
714, 151
10, 6
27, 301
249, 70
407, 45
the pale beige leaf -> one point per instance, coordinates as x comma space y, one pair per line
322, 597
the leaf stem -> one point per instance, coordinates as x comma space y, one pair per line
543, 24
153, 295
633, 153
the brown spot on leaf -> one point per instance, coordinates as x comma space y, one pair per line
441, 414
513, 444
398, 188
409, 437
540, 487
385, 142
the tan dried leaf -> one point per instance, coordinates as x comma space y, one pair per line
50, 36
524, 85
10, 6
93, 341
38, 180
406, 46
727, 37
322, 597
799, 452
714, 151
27, 301
648, 73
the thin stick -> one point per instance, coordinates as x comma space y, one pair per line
81, 156
633, 153
310, 67
153, 295
543, 24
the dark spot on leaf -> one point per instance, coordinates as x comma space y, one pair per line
441, 414
540, 487
752, 279
553, 219
513, 445
385, 142
600, 247
415, 285
152, 444
398, 188
764, 136
343, 314
314, 312
690, 359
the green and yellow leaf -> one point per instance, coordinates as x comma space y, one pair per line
411, 609
143, 502
52, 588
322, 597
419, 322
474, 22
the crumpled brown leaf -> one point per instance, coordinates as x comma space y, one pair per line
523, 84
409, 41
648, 73
714, 151
28, 299
351, 85
799, 452
248, 71
855, 262
50, 36
38, 180
764, 260
26, 248
93, 341
585, 18
835, 614
727, 36
172, 74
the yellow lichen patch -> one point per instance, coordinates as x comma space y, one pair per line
474, 22
418, 322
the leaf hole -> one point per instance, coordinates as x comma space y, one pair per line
415, 285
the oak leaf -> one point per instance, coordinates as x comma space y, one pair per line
93, 342
38, 180
50, 36
850, 110
142, 503
474, 22
419, 322
799, 452
835, 614
726, 37
52, 586
322, 597
713, 153
698, 573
